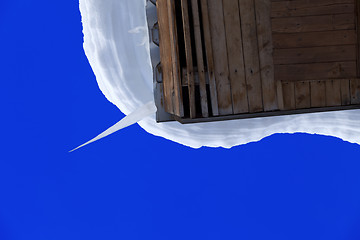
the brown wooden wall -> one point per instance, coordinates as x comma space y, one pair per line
316, 52
233, 57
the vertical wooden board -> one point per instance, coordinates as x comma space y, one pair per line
199, 57
333, 93
178, 103
289, 95
302, 95
355, 91
251, 55
345, 92
263, 20
357, 14
209, 57
188, 54
165, 49
235, 56
280, 95
218, 41
318, 93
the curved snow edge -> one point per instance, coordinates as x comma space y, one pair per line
116, 45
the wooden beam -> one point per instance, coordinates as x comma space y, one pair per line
314, 39
264, 37
311, 71
199, 57
188, 54
268, 114
178, 103
251, 55
165, 57
235, 56
357, 17
311, 8
313, 23
218, 41
315, 54
209, 57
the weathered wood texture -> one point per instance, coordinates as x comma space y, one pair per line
310, 8
221, 66
177, 100
357, 21
252, 56
313, 23
264, 36
166, 67
199, 57
189, 55
230, 44
355, 91
302, 95
209, 57
235, 56
320, 93
316, 47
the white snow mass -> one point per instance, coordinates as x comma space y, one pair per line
117, 45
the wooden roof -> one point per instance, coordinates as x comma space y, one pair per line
231, 59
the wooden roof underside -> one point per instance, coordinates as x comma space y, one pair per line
223, 60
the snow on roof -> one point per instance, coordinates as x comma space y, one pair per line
117, 46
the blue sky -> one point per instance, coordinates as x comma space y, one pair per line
133, 185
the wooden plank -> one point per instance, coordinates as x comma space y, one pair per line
302, 95
209, 57
314, 39
251, 55
218, 40
280, 95
289, 95
178, 103
235, 56
318, 93
200, 59
165, 57
311, 8
315, 54
268, 114
311, 71
313, 23
345, 92
188, 54
357, 17
355, 91
262, 9
333, 93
